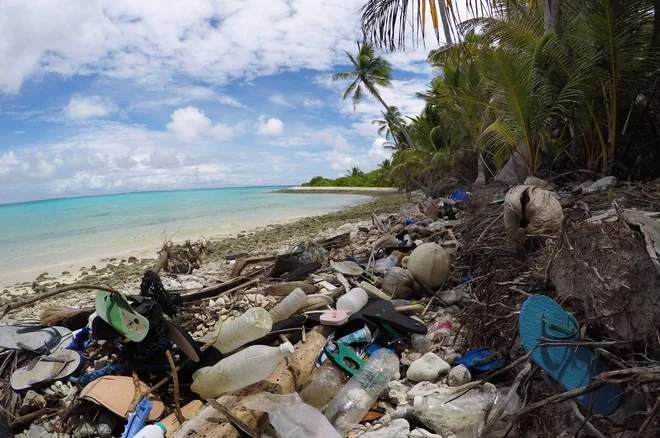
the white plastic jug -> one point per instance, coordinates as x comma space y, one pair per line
253, 324
353, 300
289, 305
239, 370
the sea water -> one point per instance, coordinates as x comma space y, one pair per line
65, 233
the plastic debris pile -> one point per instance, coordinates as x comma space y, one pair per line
460, 316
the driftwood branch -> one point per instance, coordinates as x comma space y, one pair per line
557, 398
175, 379
52, 293
233, 419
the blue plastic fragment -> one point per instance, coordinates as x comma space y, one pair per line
460, 195
481, 359
137, 419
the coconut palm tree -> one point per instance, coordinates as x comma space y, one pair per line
387, 126
356, 172
368, 72
385, 22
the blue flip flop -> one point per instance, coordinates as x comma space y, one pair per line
573, 367
481, 359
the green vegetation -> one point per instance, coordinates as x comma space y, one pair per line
561, 86
355, 178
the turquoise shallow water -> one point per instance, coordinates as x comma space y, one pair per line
60, 232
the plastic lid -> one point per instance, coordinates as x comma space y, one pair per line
417, 402
162, 427
287, 349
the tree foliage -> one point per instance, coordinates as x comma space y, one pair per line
583, 95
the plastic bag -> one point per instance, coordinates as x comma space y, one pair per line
462, 416
291, 417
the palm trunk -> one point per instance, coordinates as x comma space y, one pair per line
445, 22
373, 90
481, 171
551, 14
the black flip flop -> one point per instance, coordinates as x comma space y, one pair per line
182, 339
287, 268
380, 314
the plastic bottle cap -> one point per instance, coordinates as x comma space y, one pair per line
417, 402
162, 427
287, 349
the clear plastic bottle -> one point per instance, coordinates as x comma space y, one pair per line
386, 263
325, 383
289, 305
353, 300
239, 370
253, 324
356, 397
156, 430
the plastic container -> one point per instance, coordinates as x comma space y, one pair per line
239, 370
289, 305
353, 300
361, 336
441, 330
354, 400
156, 430
290, 417
325, 382
253, 324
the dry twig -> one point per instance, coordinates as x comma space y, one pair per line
175, 380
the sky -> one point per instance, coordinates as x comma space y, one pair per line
118, 96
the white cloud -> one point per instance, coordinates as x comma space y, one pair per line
156, 43
270, 127
366, 159
88, 107
190, 125
178, 96
109, 157
279, 99
312, 103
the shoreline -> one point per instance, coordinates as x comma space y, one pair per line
332, 190
125, 272
68, 266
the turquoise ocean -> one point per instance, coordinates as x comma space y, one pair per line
62, 234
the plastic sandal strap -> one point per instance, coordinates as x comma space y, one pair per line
564, 331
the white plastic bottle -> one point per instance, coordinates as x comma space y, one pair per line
239, 370
253, 324
156, 430
289, 305
353, 300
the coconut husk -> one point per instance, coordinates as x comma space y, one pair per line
399, 284
530, 210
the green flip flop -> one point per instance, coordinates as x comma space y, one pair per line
116, 311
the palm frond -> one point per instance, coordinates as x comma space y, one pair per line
389, 23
